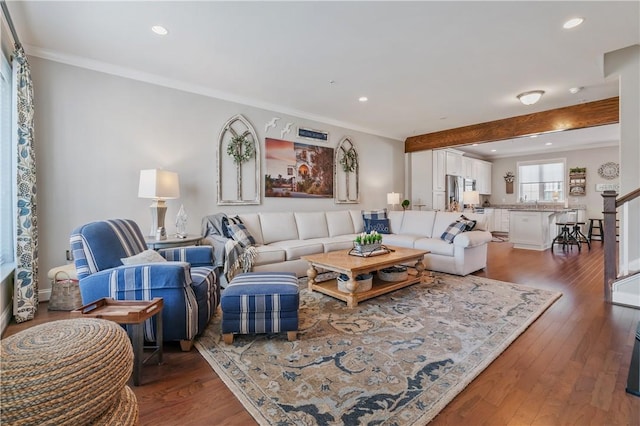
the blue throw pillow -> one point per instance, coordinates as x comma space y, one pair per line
454, 229
241, 235
381, 226
470, 224
374, 214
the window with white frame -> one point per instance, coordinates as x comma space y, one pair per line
6, 164
541, 180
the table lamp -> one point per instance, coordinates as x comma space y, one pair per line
471, 198
393, 198
160, 185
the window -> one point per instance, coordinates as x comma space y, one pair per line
6, 165
541, 180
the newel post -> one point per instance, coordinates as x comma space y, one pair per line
609, 241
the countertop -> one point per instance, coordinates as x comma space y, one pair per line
541, 207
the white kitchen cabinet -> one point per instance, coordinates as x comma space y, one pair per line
483, 176
422, 178
500, 220
439, 198
439, 170
454, 163
468, 165
489, 213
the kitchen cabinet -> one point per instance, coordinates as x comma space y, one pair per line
468, 166
501, 221
482, 175
422, 178
439, 169
531, 229
454, 163
439, 198
488, 212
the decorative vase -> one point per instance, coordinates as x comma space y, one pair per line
509, 187
181, 223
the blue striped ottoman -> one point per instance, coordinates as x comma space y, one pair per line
260, 302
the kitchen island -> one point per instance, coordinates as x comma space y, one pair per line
532, 229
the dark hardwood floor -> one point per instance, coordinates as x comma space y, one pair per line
569, 367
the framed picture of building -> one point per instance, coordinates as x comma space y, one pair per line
298, 170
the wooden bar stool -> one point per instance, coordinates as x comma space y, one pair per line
593, 225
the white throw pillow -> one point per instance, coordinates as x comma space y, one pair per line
147, 256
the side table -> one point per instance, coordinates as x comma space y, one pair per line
172, 241
135, 313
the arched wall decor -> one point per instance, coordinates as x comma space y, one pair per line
246, 188
346, 188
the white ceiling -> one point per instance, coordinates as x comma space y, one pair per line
425, 66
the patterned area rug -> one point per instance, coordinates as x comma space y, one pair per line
397, 359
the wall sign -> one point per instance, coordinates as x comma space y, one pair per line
600, 187
316, 135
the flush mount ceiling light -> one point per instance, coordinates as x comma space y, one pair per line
572, 23
530, 98
363, 99
159, 29
549, 143
575, 90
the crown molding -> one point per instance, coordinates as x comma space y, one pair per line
108, 68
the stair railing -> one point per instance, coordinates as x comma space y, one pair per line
610, 210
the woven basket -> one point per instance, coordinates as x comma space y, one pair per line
393, 274
365, 282
65, 293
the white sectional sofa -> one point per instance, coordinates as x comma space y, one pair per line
282, 238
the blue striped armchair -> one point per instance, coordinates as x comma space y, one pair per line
186, 281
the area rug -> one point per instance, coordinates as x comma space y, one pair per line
397, 359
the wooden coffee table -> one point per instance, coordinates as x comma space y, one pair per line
340, 261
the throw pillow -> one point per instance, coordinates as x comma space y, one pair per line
147, 256
226, 221
241, 235
381, 226
454, 229
470, 224
374, 214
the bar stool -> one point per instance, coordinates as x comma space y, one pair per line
579, 236
566, 235
595, 224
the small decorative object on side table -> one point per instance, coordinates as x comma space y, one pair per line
173, 241
134, 312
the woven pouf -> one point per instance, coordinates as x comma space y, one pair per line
64, 372
260, 302
124, 411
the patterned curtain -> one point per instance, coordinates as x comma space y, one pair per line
25, 302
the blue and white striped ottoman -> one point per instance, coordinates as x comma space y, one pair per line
260, 302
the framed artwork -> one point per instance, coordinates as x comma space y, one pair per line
298, 170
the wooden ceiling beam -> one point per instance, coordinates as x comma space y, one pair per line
590, 114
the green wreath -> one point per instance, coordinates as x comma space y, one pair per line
349, 161
240, 148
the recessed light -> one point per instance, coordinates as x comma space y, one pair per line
475, 144
549, 143
493, 150
533, 136
159, 29
575, 90
572, 23
363, 99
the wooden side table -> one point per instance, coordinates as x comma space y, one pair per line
135, 313
173, 241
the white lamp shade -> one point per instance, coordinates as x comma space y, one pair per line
159, 184
471, 197
393, 198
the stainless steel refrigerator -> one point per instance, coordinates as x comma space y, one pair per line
454, 187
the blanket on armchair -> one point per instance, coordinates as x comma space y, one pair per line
229, 254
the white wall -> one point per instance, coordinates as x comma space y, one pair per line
592, 159
95, 132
